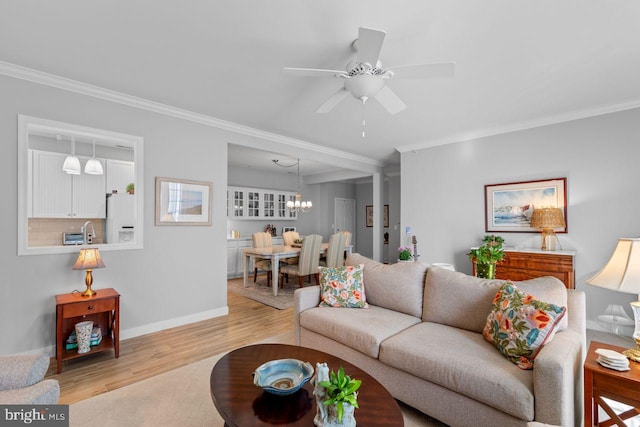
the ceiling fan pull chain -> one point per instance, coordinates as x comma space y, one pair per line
364, 100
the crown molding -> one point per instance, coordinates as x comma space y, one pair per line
545, 121
40, 77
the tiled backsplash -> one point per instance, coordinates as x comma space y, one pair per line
48, 231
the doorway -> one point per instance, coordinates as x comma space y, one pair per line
345, 217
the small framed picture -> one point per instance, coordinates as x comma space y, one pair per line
183, 202
369, 216
508, 207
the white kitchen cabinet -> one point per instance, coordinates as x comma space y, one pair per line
255, 203
56, 194
235, 257
119, 174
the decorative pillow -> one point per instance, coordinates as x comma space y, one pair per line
342, 287
519, 324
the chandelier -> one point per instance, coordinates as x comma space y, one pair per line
297, 205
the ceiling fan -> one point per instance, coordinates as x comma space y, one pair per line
365, 78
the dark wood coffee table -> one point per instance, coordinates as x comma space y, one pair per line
243, 404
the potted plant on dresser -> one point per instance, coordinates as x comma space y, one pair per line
486, 256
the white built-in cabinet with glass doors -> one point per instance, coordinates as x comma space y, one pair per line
256, 203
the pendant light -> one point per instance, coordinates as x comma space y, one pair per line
93, 166
298, 205
71, 164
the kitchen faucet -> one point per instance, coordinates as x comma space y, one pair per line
87, 238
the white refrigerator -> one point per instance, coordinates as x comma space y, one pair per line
121, 218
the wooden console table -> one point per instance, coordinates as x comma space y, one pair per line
103, 309
526, 264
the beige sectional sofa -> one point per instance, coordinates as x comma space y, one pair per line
421, 337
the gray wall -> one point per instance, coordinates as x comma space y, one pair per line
391, 197
179, 276
443, 192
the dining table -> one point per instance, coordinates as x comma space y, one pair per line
275, 254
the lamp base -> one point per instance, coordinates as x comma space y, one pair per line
633, 353
88, 280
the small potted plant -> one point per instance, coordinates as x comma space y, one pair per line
404, 253
487, 255
131, 188
341, 398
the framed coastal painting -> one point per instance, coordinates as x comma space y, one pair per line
508, 207
183, 202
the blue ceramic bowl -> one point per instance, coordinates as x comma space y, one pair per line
282, 377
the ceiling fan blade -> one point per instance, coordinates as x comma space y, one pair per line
445, 69
311, 72
333, 101
390, 100
369, 45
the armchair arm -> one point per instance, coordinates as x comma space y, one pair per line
17, 371
304, 299
558, 370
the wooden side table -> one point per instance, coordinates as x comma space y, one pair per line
530, 263
103, 309
599, 382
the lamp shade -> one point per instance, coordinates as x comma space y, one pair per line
88, 259
93, 167
71, 165
547, 218
622, 272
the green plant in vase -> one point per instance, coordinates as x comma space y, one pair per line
404, 253
487, 255
341, 391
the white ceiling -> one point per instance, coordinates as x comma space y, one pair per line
518, 64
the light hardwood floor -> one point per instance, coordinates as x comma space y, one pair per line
148, 355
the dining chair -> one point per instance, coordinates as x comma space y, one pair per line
335, 251
262, 240
289, 238
309, 260
348, 235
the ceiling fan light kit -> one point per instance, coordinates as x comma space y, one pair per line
364, 81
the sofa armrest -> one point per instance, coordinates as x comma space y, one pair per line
304, 299
558, 370
17, 371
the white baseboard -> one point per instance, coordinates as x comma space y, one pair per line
149, 328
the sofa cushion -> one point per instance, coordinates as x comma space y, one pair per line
464, 362
459, 300
362, 330
342, 287
519, 324
398, 287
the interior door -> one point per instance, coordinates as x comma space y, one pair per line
345, 217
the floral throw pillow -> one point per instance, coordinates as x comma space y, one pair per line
519, 324
342, 287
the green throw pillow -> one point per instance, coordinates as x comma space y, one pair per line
519, 324
342, 287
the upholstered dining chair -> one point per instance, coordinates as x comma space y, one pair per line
289, 238
308, 261
262, 240
348, 235
335, 251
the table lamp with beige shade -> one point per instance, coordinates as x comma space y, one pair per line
622, 274
88, 259
548, 219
